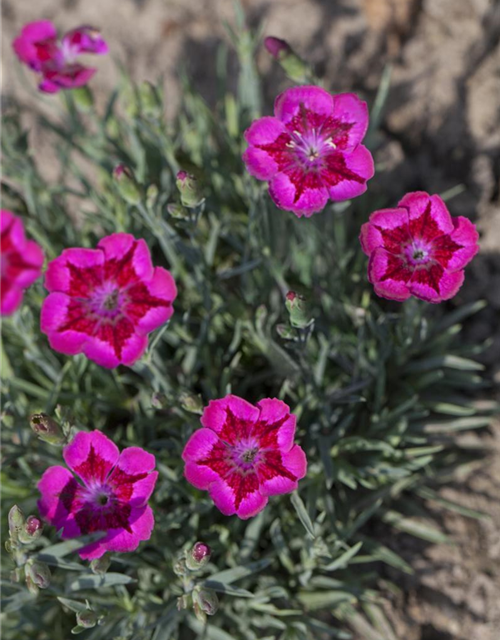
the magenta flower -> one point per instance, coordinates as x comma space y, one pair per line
418, 249
38, 47
244, 454
103, 302
310, 151
112, 495
21, 262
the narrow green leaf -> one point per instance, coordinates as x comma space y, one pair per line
342, 561
96, 582
302, 513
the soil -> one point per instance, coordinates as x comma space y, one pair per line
441, 129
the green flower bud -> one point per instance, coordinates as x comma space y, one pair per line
297, 309
198, 557
86, 619
159, 400
47, 429
191, 403
31, 531
286, 332
189, 189
295, 68
127, 184
16, 522
179, 566
206, 599
38, 573
177, 211
100, 565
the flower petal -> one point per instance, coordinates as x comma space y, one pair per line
387, 228
457, 250
301, 193
60, 497
75, 271
230, 417
389, 274
348, 178
429, 217
150, 304
259, 163
91, 455
276, 425
238, 494
289, 103
133, 478
85, 39
434, 284
350, 110
141, 524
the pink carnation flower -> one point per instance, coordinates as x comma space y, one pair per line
38, 47
103, 302
112, 495
21, 262
418, 249
310, 150
244, 454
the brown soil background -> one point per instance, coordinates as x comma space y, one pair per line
441, 128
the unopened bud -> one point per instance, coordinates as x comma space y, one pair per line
191, 403
100, 565
297, 309
286, 332
38, 573
277, 47
159, 400
177, 211
294, 67
86, 619
83, 98
16, 522
47, 429
151, 103
189, 189
179, 566
127, 184
31, 531
207, 600
198, 557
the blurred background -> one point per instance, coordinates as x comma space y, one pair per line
440, 131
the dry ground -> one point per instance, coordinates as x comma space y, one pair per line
441, 128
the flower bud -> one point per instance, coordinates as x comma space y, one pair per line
38, 573
31, 531
177, 211
86, 619
152, 193
198, 557
159, 400
126, 184
191, 403
189, 189
100, 565
179, 566
276, 47
183, 602
294, 67
297, 309
47, 429
286, 332
16, 522
206, 599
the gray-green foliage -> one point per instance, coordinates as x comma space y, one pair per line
379, 389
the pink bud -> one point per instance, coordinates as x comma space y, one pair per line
183, 176
33, 525
277, 47
201, 551
291, 295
